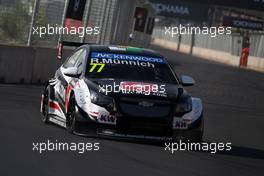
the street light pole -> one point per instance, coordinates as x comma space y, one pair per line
32, 24
63, 18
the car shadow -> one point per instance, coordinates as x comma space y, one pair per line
236, 151
245, 152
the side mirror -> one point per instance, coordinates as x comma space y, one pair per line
187, 80
71, 72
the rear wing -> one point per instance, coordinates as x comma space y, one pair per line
61, 44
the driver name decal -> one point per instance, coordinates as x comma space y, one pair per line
133, 60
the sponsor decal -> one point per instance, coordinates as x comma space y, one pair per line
182, 9
106, 118
115, 48
123, 62
243, 23
125, 59
245, 4
179, 123
168, 8
124, 48
94, 65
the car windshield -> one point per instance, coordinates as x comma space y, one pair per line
129, 67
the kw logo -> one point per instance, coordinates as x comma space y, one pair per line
94, 65
110, 119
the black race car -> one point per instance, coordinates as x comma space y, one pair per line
122, 92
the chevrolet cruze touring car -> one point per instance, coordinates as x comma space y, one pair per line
115, 91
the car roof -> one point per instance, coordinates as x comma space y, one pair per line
124, 50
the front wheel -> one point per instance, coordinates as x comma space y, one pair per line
197, 133
193, 135
45, 108
71, 115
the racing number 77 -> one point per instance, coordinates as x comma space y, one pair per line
94, 65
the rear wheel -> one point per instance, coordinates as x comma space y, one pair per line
45, 108
71, 115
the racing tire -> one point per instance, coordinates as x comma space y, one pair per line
45, 109
197, 133
71, 116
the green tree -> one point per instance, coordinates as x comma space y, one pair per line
14, 24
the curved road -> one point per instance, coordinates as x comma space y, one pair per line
234, 112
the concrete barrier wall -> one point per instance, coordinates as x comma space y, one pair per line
21, 64
255, 63
16, 64
218, 56
171, 45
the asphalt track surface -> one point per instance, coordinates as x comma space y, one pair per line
234, 112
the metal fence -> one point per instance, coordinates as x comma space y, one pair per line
16, 19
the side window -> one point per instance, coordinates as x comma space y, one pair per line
80, 61
70, 62
81, 58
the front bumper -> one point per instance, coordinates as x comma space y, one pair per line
133, 128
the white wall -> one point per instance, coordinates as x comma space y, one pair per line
255, 63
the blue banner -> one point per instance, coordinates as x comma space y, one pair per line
127, 57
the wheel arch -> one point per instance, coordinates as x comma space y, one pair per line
52, 93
